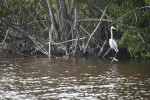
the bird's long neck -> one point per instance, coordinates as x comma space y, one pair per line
111, 33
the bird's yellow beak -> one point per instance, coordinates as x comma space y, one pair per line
114, 28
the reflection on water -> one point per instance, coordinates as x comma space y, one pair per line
42, 78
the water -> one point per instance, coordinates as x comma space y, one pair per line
85, 79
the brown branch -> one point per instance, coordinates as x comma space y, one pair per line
95, 30
52, 18
4, 39
107, 52
68, 41
74, 26
93, 20
38, 45
101, 50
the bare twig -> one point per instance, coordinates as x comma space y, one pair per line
95, 30
38, 45
93, 20
84, 30
70, 6
50, 40
4, 39
102, 12
74, 26
52, 18
6, 3
68, 41
142, 39
101, 50
107, 52
129, 13
140, 36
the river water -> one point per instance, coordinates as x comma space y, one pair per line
80, 79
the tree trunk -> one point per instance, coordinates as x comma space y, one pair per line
66, 24
52, 19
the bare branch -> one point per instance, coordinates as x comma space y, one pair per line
129, 13
68, 41
95, 30
52, 17
107, 52
101, 50
93, 20
50, 40
4, 39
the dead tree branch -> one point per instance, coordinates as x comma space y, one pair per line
4, 39
101, 50
93, 20
52, 18
95, 30
129, 13
68, 41
38, 45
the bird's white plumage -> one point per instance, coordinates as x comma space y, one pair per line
112, 43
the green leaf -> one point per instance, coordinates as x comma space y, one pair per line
1, 11
147, 1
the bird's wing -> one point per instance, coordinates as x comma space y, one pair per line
115, 45
111, 43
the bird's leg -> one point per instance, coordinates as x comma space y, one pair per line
114, 58
112, 52
115, 55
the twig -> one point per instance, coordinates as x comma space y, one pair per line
106, 52
101, 50
95, 30
102, 12
70, 6
74, 26
50, 40
68, 41
6, 3
27, 37
143, 41
4, 39
52, 18
139, 34
93, 20
129, 13
39, 46
83, 29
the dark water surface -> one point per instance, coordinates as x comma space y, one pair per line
85, 79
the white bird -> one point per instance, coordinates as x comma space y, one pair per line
112, 43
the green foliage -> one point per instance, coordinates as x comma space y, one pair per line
147, 1
129, 25
1, 11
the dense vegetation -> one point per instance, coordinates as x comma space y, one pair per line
74, 27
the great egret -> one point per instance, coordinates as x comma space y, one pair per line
113, 44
